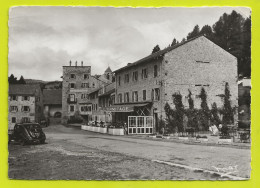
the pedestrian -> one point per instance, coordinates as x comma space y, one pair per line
125, 127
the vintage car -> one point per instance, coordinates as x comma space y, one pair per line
27, 133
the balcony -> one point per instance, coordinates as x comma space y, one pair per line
71, 101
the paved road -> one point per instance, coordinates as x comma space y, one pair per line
76, 154
232, 160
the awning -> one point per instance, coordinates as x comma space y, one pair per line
123, 107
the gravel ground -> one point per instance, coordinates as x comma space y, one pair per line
63, 160
80, 155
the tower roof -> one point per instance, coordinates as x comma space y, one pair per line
108, 69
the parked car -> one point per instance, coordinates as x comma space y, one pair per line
27, 133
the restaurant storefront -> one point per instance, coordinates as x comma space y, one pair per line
138, 117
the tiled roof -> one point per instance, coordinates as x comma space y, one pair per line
157, 54
52, 96
23, 89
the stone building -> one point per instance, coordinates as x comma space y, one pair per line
101, 99
76, 85
25, 104
52, 103
145, 86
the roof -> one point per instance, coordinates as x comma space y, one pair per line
108, 92
94, 90
52, 96
23, 89
158, 54
108, 69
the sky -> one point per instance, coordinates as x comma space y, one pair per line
43, 39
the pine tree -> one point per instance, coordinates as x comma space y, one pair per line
195, 32
12, 79
228, 116
21, 80
204, 115
156, 49
174, 42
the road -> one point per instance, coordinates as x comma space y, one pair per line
75, 154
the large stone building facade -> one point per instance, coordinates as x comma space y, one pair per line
76, 86
190, 66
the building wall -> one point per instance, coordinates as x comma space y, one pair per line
79, 72
147, 84
39, 104
181, 72
50, 110
19, 114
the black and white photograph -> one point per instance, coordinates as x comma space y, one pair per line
121, 93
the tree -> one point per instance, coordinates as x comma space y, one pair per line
228, 116
21, 80
183, 40
192, 113
12, 79
246, 59
156, 49
214, 112
206, 30
179, 110
204, 114
174, 42
195, 32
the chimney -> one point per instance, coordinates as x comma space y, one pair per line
76, 63
82, 63
70, 62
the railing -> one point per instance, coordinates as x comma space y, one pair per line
71, 102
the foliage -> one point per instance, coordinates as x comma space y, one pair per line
174, 42
214, 114
156, 49
228, 116
76, 118
195, 32
179, 111
13, 80
204, 112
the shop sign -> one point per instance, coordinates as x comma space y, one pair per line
119, 109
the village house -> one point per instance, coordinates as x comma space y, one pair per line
145, 86
76, 86
52, 103
25, 103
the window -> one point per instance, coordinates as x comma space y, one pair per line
86, 76
157, 94
119, 98
126, 97
144, 95
72, 85
13, 109
26, 98
144, 73
85, 108
25, 109
135, 96
135, 76
72, 108
84, 96
152, 94
13, 98
119, 80
72, 97
126, 78
202, 61
93, 85
85, 85
108, 76
112, 99
155, 70
13, 119
72, 76
26, 120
